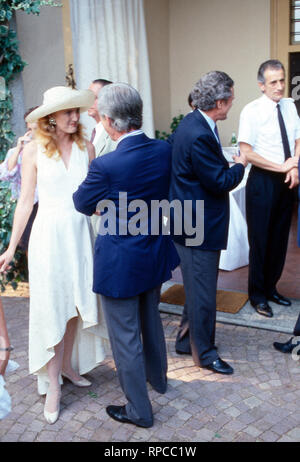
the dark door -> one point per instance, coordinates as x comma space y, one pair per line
294, 79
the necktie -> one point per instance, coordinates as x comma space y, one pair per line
93, 135
284, 137
217, 133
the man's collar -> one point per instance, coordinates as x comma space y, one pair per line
132, 133
269, 102
208, 119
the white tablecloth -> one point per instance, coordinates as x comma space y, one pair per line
237, 251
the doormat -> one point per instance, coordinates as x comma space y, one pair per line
227, 300
21, 291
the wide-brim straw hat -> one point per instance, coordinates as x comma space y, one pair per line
60, 98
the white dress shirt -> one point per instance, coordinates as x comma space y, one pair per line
133, 133
211, 123
259, 127
99, 131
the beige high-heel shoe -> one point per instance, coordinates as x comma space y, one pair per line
82, 382
51, 417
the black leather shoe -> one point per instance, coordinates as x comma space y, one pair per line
264, 309
286, 347
119, 413
220, 366
183, 352
279, 299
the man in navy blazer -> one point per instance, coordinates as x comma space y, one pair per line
200, 172
130, 263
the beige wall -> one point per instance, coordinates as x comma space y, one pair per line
42, 47
232, 36
185, 40
157, 25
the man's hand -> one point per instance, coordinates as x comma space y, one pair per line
290, 163
241, 159
5, 260
24, 139
293, 177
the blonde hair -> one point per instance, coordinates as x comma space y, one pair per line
46, 136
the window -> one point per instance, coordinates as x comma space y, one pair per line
295, 22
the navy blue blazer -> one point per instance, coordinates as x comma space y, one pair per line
127, 265
201, 172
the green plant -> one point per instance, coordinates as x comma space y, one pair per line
174, 124
18, 268
11, 64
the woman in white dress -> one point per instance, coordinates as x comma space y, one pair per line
66, 336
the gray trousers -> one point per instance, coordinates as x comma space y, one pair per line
139, 350
196, 333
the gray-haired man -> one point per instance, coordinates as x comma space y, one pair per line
129, 268
201, 172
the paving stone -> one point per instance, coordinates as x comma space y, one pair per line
28, 437
232, 411
294, 434
268, 437
252, 430
205, 434
259, 402
285, 439
46, 436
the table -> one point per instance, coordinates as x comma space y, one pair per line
237, 253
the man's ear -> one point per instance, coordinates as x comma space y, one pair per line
109, 121
261, 86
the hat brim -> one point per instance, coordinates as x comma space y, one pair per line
83, 100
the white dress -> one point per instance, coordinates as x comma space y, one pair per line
60, 261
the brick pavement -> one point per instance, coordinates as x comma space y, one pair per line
260, 402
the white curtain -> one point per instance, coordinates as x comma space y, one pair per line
109, 42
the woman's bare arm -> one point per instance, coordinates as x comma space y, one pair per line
25, 202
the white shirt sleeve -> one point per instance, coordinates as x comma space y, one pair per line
297, 123
247, 127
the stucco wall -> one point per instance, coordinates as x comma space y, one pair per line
42, 47
198, 36
158, 31
185, 40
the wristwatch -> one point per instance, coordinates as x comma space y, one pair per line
10, 348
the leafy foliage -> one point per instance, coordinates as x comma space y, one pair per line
11, 64
29, 6
174, 124
18, 268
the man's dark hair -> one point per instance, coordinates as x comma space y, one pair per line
270, 64
190, 100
